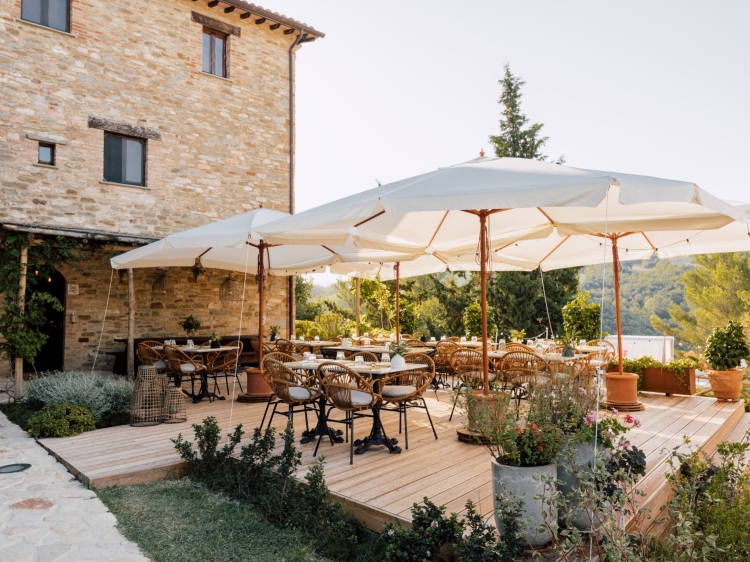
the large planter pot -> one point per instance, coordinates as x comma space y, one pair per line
520, 482
215, 344
583, 459
667, 382
398, 362
726, 385
477, 403
257, 389
622, 388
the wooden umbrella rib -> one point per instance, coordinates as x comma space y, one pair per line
553, 250
327, 248
434, 234
649, 241
368, 220
546, 216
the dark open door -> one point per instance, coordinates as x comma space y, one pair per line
50, 357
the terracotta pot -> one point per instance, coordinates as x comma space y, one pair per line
256, 384
622, 388
666, 381
478, 403
726, 385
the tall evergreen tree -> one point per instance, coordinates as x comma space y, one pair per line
516, 140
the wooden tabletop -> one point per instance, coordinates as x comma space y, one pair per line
365, 368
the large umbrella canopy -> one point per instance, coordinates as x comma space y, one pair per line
514, 200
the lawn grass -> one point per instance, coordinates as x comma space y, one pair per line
180, 521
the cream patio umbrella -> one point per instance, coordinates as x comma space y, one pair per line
479, 206
234, 244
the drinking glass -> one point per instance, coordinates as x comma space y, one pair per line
474, 339
294, 337
359, 360
463, 339
367, 334
317, 338
443, 337
432, 338
582, 342
301, 338
340, 356
367, 342
385, 358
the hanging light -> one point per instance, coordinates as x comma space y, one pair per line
229, 290
162, 289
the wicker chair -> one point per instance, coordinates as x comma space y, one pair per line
523, 372
407, 337
454, 339
608, 344
408, 390
515, 346
148, 356
443, 367
224, 364
299, 390
286, 346
255, 343
181, 364
415, 343
366, 356
350, 392
600, 359
283, 358
467, 364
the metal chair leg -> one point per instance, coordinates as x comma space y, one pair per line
429, 417
406, 426
266, 412
273, 413
455, 401
351, 443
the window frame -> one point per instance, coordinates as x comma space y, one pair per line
213, 35
45, 15
144, 159
51, 147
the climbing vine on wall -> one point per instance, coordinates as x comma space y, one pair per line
21, 329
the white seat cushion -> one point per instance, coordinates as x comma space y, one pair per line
299, 393
396, 391
479, 376
160, 364
360, 398
187, 368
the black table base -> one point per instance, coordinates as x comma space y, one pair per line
202, 392
377, 436
322, 429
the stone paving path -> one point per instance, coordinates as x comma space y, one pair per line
46, 515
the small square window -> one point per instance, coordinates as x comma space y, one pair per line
49, 13
124, 160
46, 154
214, 53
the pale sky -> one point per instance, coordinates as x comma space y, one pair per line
397, 89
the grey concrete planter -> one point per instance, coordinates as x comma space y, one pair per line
583, 457
520, 482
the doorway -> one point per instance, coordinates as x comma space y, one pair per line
51, 356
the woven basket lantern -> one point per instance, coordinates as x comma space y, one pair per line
148, 398
174, 406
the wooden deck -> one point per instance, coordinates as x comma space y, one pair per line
379, 487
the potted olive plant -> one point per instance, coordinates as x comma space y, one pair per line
191, 325
397, 352
215, 340
524, 460
274, 332
725, 349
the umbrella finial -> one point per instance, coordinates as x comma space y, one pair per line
481, 152
261, 206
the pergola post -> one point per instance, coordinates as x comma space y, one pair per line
356, 304
18, 391
131, 325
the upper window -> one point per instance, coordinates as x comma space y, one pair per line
124, 160
46, 154
214, 53
49, 13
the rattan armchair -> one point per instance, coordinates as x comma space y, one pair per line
515, 346
366, 356
415, 343
408, 390
523, 372
350, 392
283, 358
181, 364
454, 339
224, 364
467, 364
289, 348
148, 356
298, 389
443, 367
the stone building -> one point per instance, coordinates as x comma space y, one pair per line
122, 122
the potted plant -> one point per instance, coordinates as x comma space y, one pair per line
274, 332
397, 352
191, 325
215, 340
524, 460
568, 340
517, 335
725, 349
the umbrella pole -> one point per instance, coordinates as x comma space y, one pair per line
483, 291
616, 267
356, 304
261, 302
398, 302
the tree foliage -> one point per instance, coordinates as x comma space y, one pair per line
716, 291
581, 318
21, 330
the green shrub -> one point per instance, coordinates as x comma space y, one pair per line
60, 420
581, 317
20, 412
727, 347
473, 322
107, 397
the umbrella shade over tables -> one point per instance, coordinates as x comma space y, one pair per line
470, 210
234, 244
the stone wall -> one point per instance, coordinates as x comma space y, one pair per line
224, 145
157, 317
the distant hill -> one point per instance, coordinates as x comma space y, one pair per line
648, 287
324, 291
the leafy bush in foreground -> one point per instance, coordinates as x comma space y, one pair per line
107, 397
266, 480
60, 420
